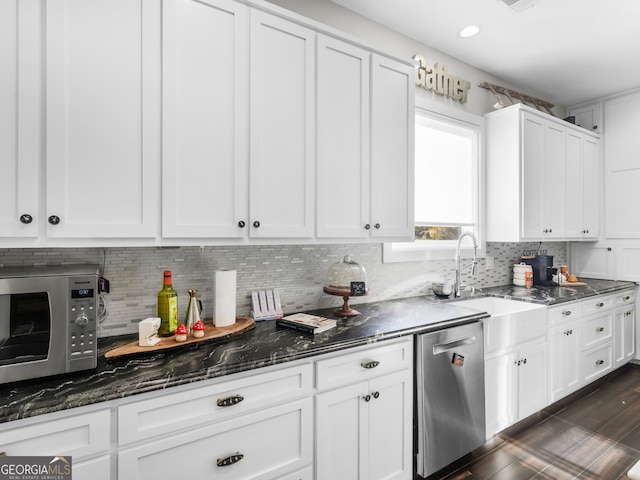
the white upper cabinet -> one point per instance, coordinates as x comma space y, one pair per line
392, 149
542, 181
622, 166
343, 140
20, 106
588, 116
205, 94
102, 118
282, 123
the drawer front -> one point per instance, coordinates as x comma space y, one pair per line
626, 298
564, 313
597, 329
597, 362
597, 304
364, 364
77, 436
267, 444
94, 469
191, 408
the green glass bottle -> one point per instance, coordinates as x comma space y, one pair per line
167, 307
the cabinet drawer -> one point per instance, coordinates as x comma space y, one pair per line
597, 362
267, 444
625, 298
597, 304
77, 436
191, 408
564, 313
94, 469
597, 329
364, 364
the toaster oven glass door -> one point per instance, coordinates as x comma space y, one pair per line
25, 327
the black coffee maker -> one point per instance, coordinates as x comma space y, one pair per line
542, 266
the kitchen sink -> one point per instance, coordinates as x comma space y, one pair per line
511, 321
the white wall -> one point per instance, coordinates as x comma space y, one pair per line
480, 100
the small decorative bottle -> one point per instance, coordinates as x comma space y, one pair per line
167, 307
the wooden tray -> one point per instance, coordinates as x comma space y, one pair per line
211, 333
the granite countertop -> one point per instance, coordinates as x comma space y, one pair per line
265, 345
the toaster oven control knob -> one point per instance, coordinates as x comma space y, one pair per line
82, 320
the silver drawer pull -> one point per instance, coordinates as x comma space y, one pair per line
230, 460
626, 297
229, 401
3, 454
599, 362
566, 313
371, 364
630, 312
600, 329
600, 305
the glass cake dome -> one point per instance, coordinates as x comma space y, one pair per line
346, 278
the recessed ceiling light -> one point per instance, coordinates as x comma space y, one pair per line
469, 31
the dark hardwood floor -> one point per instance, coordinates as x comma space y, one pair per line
592, 434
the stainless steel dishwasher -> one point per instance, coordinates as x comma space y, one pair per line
450, 395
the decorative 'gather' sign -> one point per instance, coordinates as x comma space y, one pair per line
438, 80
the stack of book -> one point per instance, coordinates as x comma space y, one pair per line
306, 323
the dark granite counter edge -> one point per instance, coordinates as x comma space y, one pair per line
266, 346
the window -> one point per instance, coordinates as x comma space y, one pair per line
448, 191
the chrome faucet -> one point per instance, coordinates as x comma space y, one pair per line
473, 265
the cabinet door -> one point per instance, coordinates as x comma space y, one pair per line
564, 359
555, 178
102, 118
592, 187
341, 422
282, 128
343, 140
572, 193
589, 117
593, 260
390, 429
622, 170
624, 335
20, 117
531, 366
500, 388
533, 192
205, 118
392, 147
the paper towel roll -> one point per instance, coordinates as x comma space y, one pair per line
225, 298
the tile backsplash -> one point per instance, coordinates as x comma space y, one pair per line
297, 271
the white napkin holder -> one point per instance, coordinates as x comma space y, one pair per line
266, 305
148, 332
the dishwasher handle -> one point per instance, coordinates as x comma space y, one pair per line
448, 346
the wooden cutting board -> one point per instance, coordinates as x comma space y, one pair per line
211, 333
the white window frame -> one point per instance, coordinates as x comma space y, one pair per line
445, 249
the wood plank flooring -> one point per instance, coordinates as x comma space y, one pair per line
593, 434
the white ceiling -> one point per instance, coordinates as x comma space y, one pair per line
562, 51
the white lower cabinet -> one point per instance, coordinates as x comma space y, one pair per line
564, 359
85, 437
515, 385
365, 428
624, 327
265, 444
588, 339
249, 426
